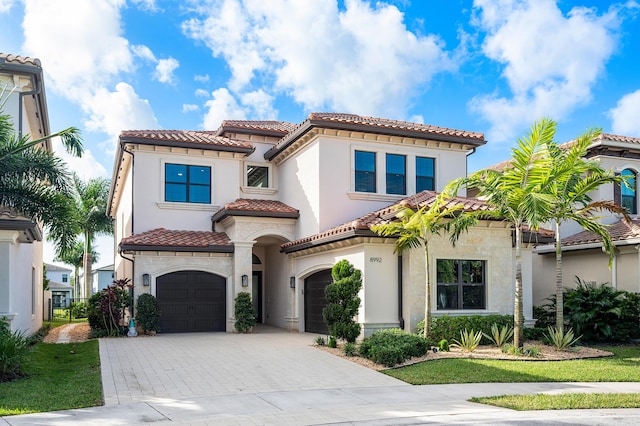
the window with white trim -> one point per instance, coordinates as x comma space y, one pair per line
365, 171
425, 174
396, 174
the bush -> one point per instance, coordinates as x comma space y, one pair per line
107, 308
320, 341
560, 339
349, 349
343, 302
443, 345
449, 328
148, 312
499, 336
469, 340
14, 347
393, 346
333, 343
245, 319
78, 310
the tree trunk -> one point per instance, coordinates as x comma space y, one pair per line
427, 295
518, 317
88, 261
559, 294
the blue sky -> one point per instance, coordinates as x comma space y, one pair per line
492, 66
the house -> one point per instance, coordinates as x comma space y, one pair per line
582, 254
21, 292
268, 207
102, 278
60, 285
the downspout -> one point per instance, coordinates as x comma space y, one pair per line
133, 264
400, 307
133, 268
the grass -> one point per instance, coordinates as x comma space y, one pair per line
568, 401
623, 367
60, 377
57, 322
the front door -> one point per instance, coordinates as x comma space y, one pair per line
256, 295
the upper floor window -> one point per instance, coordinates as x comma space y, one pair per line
461, 284
365, 171
628, 198
425, 172
65, 278
258, 176
187, 184
396, 174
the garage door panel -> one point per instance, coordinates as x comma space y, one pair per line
191, 301
315, 301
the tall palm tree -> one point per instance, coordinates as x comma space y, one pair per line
516, 194
91, 218
35, 183
572, 179
415, 229
75, 258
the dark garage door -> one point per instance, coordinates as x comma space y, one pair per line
191, 301
315, 301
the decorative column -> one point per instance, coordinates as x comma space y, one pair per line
242, 267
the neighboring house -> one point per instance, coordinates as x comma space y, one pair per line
60, 285
21, 293
102, 278
582, 251
268, 207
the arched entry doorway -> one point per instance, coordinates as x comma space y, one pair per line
315, 301
191, 301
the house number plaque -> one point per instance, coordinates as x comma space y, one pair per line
375, 260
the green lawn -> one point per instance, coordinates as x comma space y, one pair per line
57, 322
569, 401
61, 376
623, 367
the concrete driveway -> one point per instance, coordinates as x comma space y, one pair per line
179, 366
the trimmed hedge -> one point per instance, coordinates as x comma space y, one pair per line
393, 346
447, 327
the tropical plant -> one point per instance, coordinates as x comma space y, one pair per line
573, 177
415, 228
499, 336
106, 309
148, 313
14, 347
75, 257
469, 340
443, 345
343, 302
516, 194
34, 182
320, 341
245, 319
350, 349
448, 327
561, 339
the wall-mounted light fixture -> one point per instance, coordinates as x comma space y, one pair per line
292, 282
245, 281
146, 280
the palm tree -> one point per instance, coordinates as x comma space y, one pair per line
571, 181
415, 228
91, 218
75, 257
516, 194
35, 183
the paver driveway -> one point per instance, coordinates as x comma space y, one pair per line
179, 366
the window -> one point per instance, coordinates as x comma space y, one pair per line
187, 184
396, 174
461, 284
628, 197
425, 174
258, 176
365, 171
65, 278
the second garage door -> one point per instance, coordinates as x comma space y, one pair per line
191, 301
315, 301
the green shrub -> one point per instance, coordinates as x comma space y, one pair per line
499, 336
333, 343
245, 319
14, 347
560, 339
78, 310
443, 345
343, 302
449, 327
39, 335
320, 341
393, 346
349, 349
106, 309
536, 333
469, 340
148, 312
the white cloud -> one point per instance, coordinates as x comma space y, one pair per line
201, 78
165, 69
625, 116
551, 61
261, 103
148, 5
86, 167
361, 59
190, 107
112, 112
5, 5
223, 106
201, 93
144, 52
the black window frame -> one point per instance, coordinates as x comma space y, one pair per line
448, 301
188, 184
365, 180
257, 166
391, 178
630, 202
431, 177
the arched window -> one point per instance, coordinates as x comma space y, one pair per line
255, 260
628, 197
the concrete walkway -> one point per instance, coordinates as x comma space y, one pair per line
278, 378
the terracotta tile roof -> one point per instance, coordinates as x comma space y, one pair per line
619, 231
617, 138
256, 208
177, 137
282, 127
161, 239
8, 57
362, 225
